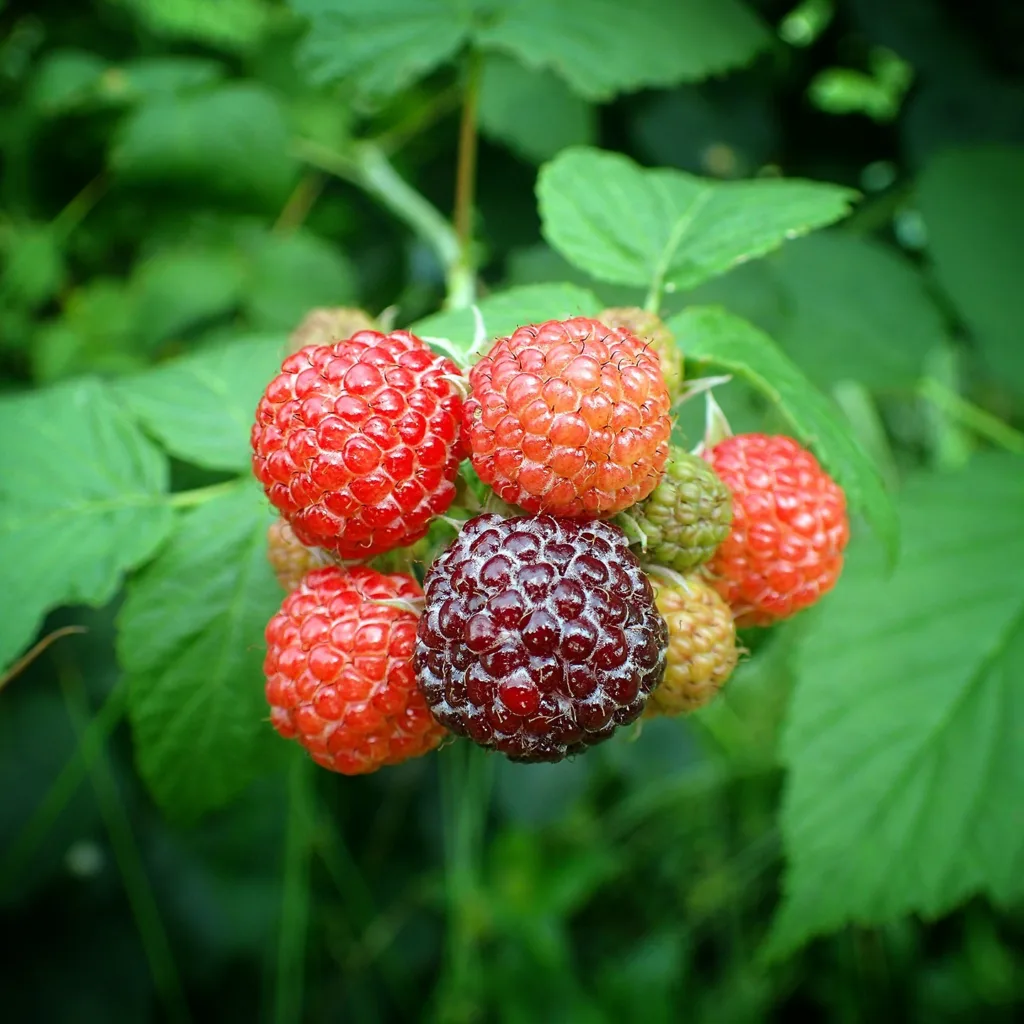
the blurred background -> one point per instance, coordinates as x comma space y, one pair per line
170, 179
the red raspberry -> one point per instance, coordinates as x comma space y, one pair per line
357, 442
789, 528
569, 417
339, 671
540, 635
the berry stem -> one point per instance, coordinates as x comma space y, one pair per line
291, 942
201, 495
366, 166
125, 848
20, 852
982, 423
462, 282
467, 772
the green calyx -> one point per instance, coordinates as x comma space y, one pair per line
686, 517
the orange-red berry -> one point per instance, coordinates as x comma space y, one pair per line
569, 417
339, 671
789, 528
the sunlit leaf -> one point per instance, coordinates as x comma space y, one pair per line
629, 225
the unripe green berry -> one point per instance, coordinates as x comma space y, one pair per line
686, 517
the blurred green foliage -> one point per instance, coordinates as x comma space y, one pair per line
838, 837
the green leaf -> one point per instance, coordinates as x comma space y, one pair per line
907, 716
511, 95
713, 336
856, 309
505, 311
232, 138
191, 641
232, 25
291, 274
201, 407
668, 229
602, 47
973, 208
382, 45
81, 503
179, 289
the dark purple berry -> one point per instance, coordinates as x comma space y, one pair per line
540, 636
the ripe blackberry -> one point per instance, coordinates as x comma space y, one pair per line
540, 635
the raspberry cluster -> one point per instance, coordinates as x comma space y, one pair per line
536, 635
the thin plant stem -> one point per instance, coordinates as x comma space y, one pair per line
464, 291
291, 945
126, 852
80, 206
366, 166
467, 773
976, 419
63, 788
201, 495
438, 106
361, 915
300, 202
861, 411
29, 656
